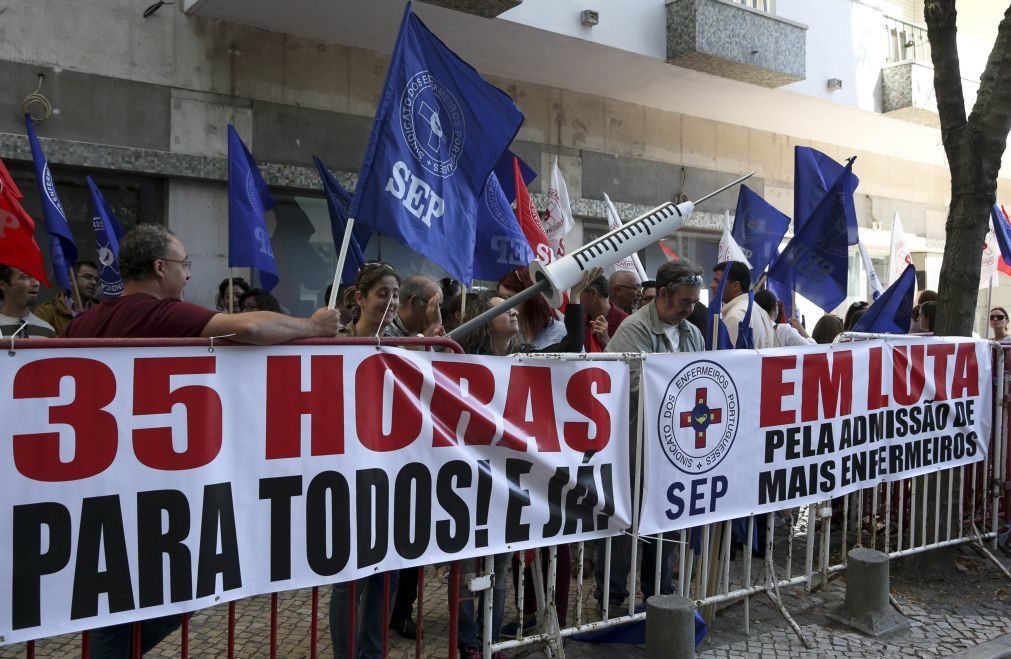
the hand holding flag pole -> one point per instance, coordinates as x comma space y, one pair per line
554, 279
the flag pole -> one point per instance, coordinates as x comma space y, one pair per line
463, 303
74, 290
229, 291
332, 302
986, 316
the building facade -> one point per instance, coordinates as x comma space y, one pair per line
644, 100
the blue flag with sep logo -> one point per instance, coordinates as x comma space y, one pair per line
500, 245
438, 132
758, 229
248, 200
62, 249
815, 262
107, 235
338, 204
813, 174
892, 312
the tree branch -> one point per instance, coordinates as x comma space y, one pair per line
939, 16
990, 121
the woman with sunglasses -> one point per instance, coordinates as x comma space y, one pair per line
998, 324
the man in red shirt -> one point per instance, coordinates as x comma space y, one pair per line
602, 317
155, 270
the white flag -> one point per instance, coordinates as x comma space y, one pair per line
557, 220
899, 256
872, 276
988, 268
729, 250
629, 263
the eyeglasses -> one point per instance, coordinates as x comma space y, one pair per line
88, 277
186, 263
634, 288
997, 316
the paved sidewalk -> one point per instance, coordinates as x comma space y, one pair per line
962, 606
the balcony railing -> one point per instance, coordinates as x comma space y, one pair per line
768, 6
906, 42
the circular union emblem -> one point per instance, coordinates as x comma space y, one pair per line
431, 120
492, 192
105, 256
698, 418
254, 195
47, 180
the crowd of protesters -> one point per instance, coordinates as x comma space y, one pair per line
616, 314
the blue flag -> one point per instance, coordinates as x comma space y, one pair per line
248, 199
758, 229
815, 262
500, 245
107, 234
1002, 230
338, 203
439, 130
892, 312
813, 174
506, 176
62, 249
716, 325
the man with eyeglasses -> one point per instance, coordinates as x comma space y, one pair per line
624, 288
660, 326
155, 269
60, 310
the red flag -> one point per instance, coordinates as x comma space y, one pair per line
7, 183
529, 218
18, 248
1003, 265
668, 252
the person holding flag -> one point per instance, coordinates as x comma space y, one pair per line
60, 310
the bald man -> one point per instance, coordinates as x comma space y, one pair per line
624, 288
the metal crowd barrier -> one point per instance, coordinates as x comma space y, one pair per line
802, 546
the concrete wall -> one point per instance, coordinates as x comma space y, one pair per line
155, 96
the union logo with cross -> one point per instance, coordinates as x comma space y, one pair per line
700, 417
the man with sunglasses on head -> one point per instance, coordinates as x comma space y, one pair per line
660, 326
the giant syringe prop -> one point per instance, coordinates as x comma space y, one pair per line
553, 279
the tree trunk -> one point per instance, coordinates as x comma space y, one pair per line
974, 147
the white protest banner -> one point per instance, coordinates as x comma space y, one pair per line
147, 481
735, 432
